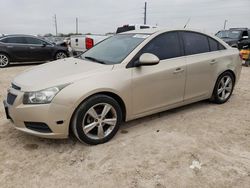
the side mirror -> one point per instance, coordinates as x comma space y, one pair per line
148, 59
44, 44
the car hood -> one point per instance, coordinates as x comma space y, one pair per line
57, 73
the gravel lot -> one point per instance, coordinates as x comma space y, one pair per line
155, 151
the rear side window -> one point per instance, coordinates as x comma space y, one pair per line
125, 28
14, 40
144, 27
215, 45
164, 46
195, 43
31, 40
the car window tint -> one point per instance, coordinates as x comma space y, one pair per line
214, 45
14, 40
31, 40
125, 28
144, 27
221, 47
195, 43
164, 46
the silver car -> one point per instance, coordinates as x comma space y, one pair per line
127, 76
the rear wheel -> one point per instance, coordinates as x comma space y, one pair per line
223, 88
97, 120
4, 60
60, 55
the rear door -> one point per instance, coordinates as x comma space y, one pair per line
16, 47
39, 50
202, 56
160, 85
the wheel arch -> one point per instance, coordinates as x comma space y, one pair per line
5, 53
107, 93
228, 70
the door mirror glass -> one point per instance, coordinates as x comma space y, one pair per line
147, 59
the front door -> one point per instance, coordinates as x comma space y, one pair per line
163, 84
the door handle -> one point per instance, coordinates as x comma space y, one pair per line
178, 70
32, 47
10, 46
213, 61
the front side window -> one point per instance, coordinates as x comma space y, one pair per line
164, 46
114, 49
195, 43
31, 40
13, 40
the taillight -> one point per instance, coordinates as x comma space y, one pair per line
89, 43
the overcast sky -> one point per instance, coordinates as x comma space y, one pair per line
101, 16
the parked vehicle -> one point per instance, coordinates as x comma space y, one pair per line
26, 48
81, 43
234, 36
131, 27
127, 76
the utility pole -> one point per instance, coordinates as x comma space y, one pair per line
76, 25
55, 21
145, 13
225, 24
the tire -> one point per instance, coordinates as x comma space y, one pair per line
60, 55
97, 120
223, 88
4, 60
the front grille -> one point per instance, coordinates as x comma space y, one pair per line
11, 98
15, 86
38, 126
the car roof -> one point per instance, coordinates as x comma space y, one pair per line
18, 35
160, 30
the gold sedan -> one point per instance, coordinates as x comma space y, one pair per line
127, 76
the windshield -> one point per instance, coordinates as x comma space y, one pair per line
114, 49
232, 34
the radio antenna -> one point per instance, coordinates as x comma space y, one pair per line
187, 23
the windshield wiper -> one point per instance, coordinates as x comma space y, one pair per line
95, 60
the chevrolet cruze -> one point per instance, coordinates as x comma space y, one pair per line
125, 77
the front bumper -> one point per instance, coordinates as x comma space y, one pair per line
55, 116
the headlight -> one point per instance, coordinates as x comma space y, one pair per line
42, 97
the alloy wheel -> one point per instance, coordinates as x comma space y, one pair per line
4, 61
61, 55
99, 121
225, 88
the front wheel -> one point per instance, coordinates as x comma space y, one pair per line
97, 120
4, 60
223, 88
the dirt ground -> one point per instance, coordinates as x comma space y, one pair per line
156, 151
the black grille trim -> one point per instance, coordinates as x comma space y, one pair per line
15, 86
38, 126
11, 98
